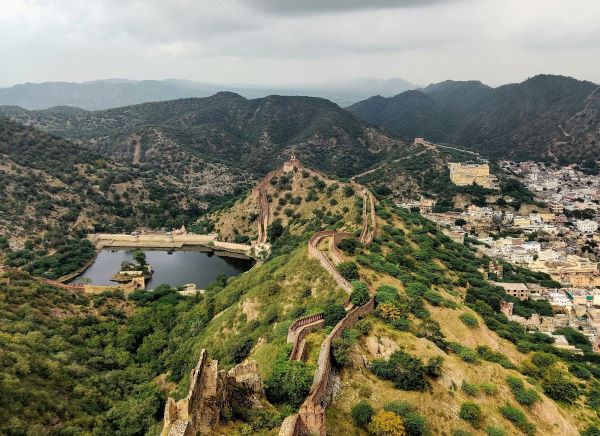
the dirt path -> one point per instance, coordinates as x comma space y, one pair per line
137, 152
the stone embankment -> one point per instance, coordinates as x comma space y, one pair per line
155, 240
210, 393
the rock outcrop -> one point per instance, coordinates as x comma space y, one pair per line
211, 392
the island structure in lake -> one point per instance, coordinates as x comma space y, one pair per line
137, 271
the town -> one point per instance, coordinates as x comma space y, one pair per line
557, 235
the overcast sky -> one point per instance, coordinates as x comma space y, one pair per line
298, 41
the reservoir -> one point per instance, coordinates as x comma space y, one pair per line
175, 268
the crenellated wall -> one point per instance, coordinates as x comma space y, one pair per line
298, 331
314, 252
311, 416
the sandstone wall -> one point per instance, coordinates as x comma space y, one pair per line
210, 392
311, 417
298, 331
314, 252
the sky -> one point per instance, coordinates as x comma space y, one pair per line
298, 41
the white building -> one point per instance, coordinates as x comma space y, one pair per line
586, 226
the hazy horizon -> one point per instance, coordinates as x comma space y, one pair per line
285, 42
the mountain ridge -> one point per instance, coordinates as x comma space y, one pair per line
515, 121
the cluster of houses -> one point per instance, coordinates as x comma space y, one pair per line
561, 239
577, 308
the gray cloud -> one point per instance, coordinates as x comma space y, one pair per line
284, 41
296, 7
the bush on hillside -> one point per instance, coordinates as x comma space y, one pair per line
362, 413
360, 293
558, 387
405, 371
518, 418
386, 424
348, 270
333, 314
348, 245
469, 320
471, 413
526, 397
289, 381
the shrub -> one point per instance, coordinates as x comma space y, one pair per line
405, 371
470, 389
348, 270
486, 353
592, 430
414, 424
558, 387
386, 294
388, 312
526, 397
400, 408
461, 432
360, 293
363, 326
386, 424
289, 381
495, 431
333, 314
543, 360
489, 388
434, 366
340, 349
362, 413
469, 320
580, 371
518, 419
471, 413
348, 245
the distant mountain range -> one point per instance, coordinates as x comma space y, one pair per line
545, 117
111, 93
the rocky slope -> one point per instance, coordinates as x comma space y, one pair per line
545, 117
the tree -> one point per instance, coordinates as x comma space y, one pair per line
362, 413
289, 381
140, 257
386, 423
405, 371
348, 245
360, 293
274, 230
333, 314
348, 270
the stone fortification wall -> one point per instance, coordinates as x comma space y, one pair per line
311, 417
314, 252
260, 192
209, 394
298, 331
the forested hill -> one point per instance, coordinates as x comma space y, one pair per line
545, 117
52, 189
256, 135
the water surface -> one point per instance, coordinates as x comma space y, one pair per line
174, 268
